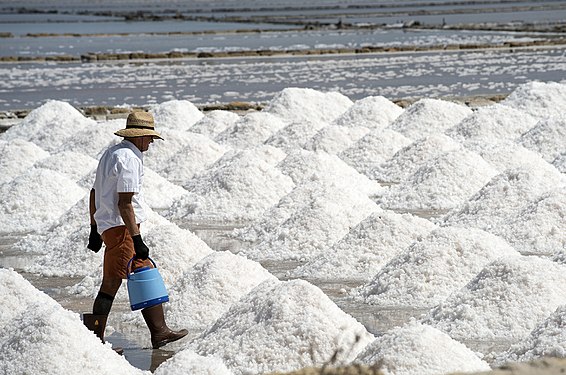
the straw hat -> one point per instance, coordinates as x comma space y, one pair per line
139, 124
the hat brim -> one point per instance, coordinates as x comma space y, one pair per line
132, 133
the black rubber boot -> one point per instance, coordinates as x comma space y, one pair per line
160, 333
97, 324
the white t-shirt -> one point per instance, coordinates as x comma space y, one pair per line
120, 170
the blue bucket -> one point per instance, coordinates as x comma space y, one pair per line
145, 287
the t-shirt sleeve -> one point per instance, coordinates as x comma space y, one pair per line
129, 175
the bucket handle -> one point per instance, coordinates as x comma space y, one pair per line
130, 263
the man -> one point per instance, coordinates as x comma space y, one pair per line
115, 215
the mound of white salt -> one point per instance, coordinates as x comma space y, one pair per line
214, 123
297, 104
506, 300
302, 166
373, 112
239, 186
429, 116
175, 114
250, 130
17, 156
188, 362
158, 192
430, 270
206, 291
49, 126
374, 149
95, 138
441, 183
539, 99
34, 200
491, 125
502, 197
334, 139
548, 339
40, 337
71, 164
313, 226
295, 135
282, 326
367, 247
408, 159
418, 349
547, 138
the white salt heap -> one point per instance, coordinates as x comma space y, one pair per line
250, 130
239, 186
334, 139
373, 112
17, 156
49, 126
20, 198
95, 138
214, 123
158, 192
408, 159
74, 165
40, 337
374, 149
313, 227
430, 270
297, 104
548, 339
506, 300
188, 362
205, 292
441, 183
367, 247
417, 349
295, 135
491, 124
547, 138
282, 326
175, 114
429, 116
539, 99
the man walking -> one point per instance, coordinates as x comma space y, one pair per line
116, 212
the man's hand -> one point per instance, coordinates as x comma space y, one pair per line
142, 251
94, 239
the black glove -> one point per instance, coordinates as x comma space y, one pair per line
142, 251
94, 239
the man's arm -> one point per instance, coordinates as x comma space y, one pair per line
92, 207
94, 240
127, 212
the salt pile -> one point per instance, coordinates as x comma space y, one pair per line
408, 159
417, 349
17, 156
297, 104
500, 199
441, 183
205, 292
303, 166
95, 138
251, 130
429, 116
430, 270
214, 123
188, 362
295, 135
282, 326
20, 198
40, 337
334, 139
560, 162
506, 300
71, 164
175, 114
372, 112
49, 126
313, 227
548, 339
547, 138
158, 192
367, 247
539, 99
491, 125
374, 149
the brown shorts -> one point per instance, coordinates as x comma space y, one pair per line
119, 251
